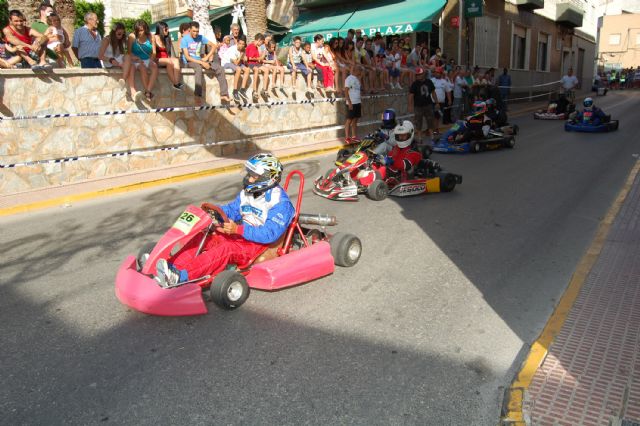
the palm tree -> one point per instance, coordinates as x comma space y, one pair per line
255, 13
66, 10
30, 8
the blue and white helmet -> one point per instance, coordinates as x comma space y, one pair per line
588, 102
267, 170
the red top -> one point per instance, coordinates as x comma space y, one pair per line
252, 51
161, 52
25, 38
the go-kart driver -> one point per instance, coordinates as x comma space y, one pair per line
590, 115
388, 124
476, 126
498, 117
403, 159
265, 211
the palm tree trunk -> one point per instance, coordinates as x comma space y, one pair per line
255, 13
30, 8
66, 10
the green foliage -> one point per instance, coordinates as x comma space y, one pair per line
83, 7
4, 13
129, 22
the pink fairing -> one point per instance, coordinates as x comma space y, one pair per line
176, 236
295, 268
143, 294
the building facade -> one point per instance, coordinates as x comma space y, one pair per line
619, 41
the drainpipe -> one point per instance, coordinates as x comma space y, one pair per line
459, 32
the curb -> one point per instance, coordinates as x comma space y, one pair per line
512, 410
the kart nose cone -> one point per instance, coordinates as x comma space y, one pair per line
143, 294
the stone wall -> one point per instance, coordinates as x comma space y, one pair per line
141, 141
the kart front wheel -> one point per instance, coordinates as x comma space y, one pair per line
447, 183
143, 254
229, 290
475, 147
378, 190
510, 142
345, 249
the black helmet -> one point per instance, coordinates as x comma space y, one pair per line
389, 119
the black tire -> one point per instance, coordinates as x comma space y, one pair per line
510, 142
378, 190
345, 249
229, 290
516, 129
145, 249
447, 183
474, 147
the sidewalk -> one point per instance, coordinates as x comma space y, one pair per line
74, 192
591, 373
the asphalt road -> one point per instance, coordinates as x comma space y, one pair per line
426, 329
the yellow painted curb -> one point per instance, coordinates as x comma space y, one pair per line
514, 397
55, 202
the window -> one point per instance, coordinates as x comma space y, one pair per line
544, 44
519, 48
614, 39
486, 49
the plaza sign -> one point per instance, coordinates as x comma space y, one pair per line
384, 30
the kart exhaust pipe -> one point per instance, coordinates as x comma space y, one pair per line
317, 219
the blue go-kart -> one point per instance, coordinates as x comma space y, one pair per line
447, 143
606, 125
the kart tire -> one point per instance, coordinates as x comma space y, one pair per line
447, 183
229, 290
475, 147
345, 249
146, 248
510, 142
516, 129
378, 190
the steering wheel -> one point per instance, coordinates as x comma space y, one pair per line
217, 214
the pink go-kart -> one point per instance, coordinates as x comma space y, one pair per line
301, 255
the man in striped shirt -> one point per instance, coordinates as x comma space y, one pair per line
86, 42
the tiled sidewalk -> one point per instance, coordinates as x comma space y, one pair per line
591, 375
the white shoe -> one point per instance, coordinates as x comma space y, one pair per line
165, 276
398, 86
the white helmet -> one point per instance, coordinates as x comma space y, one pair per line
403, 134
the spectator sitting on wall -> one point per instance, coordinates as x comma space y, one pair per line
191, 47
8, 57
224, 44
217, 31
165, 57
183, 30
42, 26
234, 60
87, 41
58, 41
235, 34
28, 42
272, 62
307, 59
112, 54
296, 63
143, 54
325, 71
254, 62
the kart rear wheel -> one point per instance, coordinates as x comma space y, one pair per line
510, 142
229, 290
144, 250
475, 147
378, 190
447, 183
345, 249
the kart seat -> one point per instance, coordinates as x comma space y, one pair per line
267, 253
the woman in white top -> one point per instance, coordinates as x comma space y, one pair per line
112, 52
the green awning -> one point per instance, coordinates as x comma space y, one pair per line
388, 18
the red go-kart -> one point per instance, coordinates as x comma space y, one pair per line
364, 173
301, 255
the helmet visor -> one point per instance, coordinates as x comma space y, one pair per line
401, 137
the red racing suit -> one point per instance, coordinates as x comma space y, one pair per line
265, 218
404, 160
